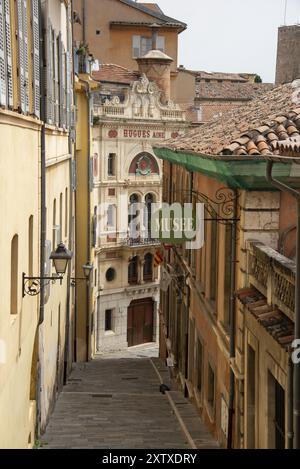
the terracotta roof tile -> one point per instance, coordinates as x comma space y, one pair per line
115, 74
279, 326
273, 116
231, 91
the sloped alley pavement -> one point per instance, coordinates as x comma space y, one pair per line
114, 402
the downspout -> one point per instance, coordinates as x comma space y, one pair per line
43, 233
83, 21
232, 324
70, 224
293, 392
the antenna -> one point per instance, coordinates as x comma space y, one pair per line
285, 11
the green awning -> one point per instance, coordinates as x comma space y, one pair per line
247, 173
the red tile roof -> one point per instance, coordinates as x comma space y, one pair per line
251, 129
279, 326
233, 91
115, 74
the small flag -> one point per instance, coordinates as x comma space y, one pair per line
158, 259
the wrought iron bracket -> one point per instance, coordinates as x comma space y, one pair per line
220, 209
32, 285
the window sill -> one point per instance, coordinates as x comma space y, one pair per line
109, 333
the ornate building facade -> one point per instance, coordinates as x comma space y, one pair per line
126, 172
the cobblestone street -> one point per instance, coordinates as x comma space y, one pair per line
115, 402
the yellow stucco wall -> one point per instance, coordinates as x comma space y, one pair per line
84, 252
19, 190
52, 331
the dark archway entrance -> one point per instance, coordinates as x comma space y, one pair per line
140, 322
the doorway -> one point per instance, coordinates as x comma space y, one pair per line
140, 322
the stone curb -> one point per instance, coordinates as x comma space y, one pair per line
177, 414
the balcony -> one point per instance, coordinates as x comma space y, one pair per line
135, 242
273, 275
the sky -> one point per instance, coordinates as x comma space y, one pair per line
231, 35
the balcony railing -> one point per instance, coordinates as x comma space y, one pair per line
273, 275
143, 242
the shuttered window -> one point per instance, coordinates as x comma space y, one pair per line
49, 79
141, 45
56, 79
69, 68
6, 85
2, 56
160, 45
23, 55
36, 57
8, 47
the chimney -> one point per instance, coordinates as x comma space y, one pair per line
288, 54
157, 67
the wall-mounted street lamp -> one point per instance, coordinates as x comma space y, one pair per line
60, 257
87, 269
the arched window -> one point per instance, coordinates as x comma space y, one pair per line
111, 216
133, 271
149, 200
54, 234
133, 217
111, 164
14, 277
30, 246
144, 164
148, 268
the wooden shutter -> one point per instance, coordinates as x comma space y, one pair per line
36, 57
60, 69
49, 88
2, 57
56, 82
21, 55
68, 88
8, 46
69, 66
26, 54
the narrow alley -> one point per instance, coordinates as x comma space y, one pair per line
115, 401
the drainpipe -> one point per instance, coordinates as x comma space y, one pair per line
83, 21
232, 325
43, 233
293, 397
70, 226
